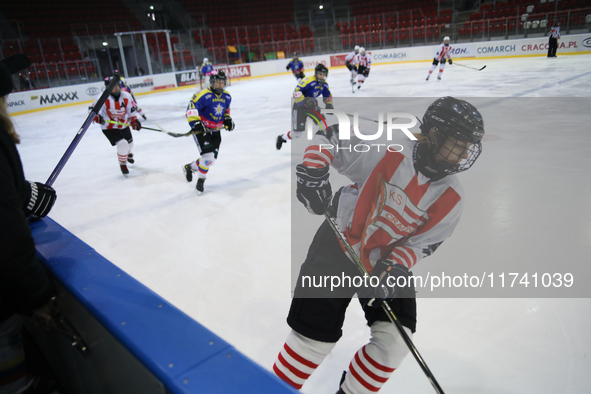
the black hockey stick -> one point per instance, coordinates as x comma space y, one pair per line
176, 135
333, 224
80, 133
472, 68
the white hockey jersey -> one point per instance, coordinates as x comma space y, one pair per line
390, 211
350, 57
363, 60
443, 51
123, 110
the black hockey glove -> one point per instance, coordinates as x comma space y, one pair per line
101, 120
313, 189
450, 62
40, 200
329, 106
311, 103
366, 72
287, 68
392, 278
228, 123
198, 128
136, 125
334, 203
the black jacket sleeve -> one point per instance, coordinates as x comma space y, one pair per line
24, 283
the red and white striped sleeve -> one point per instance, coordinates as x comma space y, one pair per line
444, 217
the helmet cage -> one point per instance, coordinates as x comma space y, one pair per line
215, 77
449, 117
321, 68
448, 152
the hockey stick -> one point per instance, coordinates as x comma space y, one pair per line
333, 224
80, 133
472, 68
187, 133
128, 125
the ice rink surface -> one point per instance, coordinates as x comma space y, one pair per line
224, 257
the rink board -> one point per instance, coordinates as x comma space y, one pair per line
179, 352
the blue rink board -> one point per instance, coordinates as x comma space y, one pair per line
185, 356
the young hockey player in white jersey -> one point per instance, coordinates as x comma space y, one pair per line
363, 59
115, 116
351, 65
402, 204
443, 53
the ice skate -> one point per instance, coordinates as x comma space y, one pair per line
199, 187
124, 169
280, 142
188, 172
439, 77
426, 79
130, 158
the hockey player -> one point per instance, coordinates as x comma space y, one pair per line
443, 53
205, 71
305, 96
120, 107
124, 86
363, 59
297, 67
402, 205
207, 113
351, 65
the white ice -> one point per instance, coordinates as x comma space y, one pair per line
224, 258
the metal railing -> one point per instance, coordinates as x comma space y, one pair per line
89, 57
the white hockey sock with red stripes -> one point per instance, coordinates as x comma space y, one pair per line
299, 358
433, 67
122, 151
374, 363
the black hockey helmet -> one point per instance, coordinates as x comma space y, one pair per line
217, 75
295, 55
450, 117
320, 68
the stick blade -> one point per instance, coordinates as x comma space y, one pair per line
483, 67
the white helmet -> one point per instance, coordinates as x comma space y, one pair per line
446, 38
356, 48
205, 60
361, 50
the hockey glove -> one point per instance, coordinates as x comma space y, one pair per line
450, 62
287, 68
334, 203
136, 125
391, 279
198, 128
366, 72
228, 123
329, 106
40, 201
313, 189
311, 103
100, 119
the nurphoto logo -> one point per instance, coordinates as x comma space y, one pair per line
394, 121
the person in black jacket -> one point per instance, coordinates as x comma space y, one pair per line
25, 288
